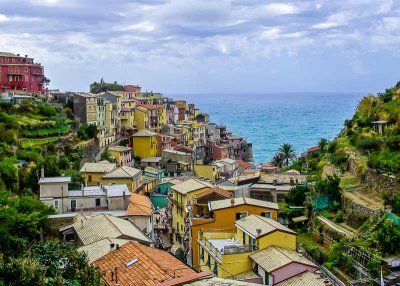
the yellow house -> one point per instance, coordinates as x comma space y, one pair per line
228, 254
145, 144
92, 172
223, 214
142, 118
182, 197
210, 172
124, 175
127, 116
122, 155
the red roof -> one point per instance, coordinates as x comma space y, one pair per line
150, 266
219, 191
243, 164
313, 149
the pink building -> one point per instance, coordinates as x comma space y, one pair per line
163, 142
276, 264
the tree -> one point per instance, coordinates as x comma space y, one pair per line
277, 160
388, 237
323, 144
9, 173
297, 195
287, 152
330, 187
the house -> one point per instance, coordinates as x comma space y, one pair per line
182, 197
154, 173
163, 142
228, 253
122, 155
92, 172
142, 118
137, 264
222, 214
123, 175
268, 167
98, 249
176, 162
150, 162
277, 264
140, 211
270, 192
379, 126
228, 167
210, 172
53, 191
305, 278
145, 144
88, 229
242, 166
98, 198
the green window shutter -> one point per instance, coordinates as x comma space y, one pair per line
202, 254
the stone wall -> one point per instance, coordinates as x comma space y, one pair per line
379, 183
351, 206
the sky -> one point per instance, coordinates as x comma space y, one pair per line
192, 46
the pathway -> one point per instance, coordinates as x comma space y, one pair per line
336, 227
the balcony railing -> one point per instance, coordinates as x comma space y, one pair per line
227, 249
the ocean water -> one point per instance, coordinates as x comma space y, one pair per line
268, 120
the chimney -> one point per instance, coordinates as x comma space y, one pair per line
112, 245
258, 231
117, 247
42, 173
232, 202
275, 182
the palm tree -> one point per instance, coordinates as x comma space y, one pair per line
287, 152
277, 160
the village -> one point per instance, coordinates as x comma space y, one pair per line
167, 197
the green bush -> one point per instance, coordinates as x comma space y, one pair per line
339, 217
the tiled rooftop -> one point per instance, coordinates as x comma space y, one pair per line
123, 172
252, 223
152, 267
139, 205
303, 279
92, 229
273, 258
222, 204
97, 167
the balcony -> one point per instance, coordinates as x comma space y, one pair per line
224, 246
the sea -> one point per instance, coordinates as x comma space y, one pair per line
271, 119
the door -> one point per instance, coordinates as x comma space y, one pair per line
73, 206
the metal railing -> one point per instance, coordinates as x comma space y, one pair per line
228, 249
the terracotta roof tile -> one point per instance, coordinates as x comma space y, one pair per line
139, 205
219, 191
243, 164
153, 266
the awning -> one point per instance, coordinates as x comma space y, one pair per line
299, 219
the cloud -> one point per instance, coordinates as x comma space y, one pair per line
189, 38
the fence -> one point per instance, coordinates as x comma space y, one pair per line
394, 218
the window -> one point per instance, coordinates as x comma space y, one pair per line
90, 178
239, 215
243, 238
266, 214
26, 69
56, 205
97, 202
202, 254
73, 205
215, 270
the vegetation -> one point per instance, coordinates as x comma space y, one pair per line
103, 86
297, 195
285, 155
87, 132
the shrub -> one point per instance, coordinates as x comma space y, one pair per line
339, 217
